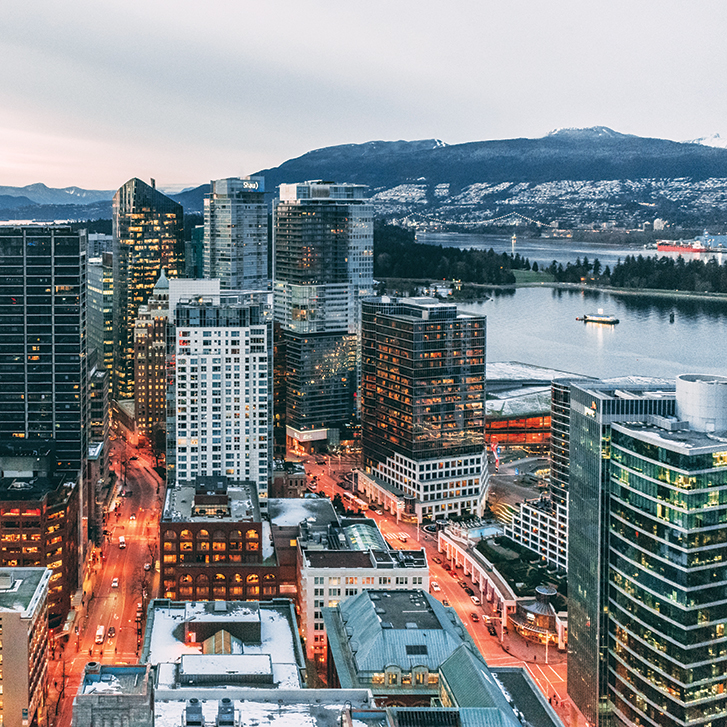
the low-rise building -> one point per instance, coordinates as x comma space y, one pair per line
215, 545
289, 479
337, 559
24, 631
39, 527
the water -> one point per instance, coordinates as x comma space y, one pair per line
538, 326
562, 250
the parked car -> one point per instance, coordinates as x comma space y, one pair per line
475, 600
491, 630
147, 566
454, 575
447, 566
464, 586
474, 616
437, 560
471, 593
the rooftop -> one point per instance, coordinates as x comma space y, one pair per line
21, 589
254, 707
31, 488
291, 512
685, 441
178, 630
106, 679
212, 499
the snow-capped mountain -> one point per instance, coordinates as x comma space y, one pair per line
720, 142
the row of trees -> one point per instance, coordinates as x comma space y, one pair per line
649, 273
397, 255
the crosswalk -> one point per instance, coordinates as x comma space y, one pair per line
398, 537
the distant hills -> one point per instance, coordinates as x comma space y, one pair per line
568, 177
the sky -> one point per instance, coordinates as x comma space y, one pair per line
94, 93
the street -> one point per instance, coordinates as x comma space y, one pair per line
136, 518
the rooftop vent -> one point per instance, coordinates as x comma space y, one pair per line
410, 625
226, 713
387, 625
193, 713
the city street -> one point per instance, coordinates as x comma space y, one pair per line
136, 518
514, 650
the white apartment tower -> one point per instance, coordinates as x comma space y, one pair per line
223, 388
236, 234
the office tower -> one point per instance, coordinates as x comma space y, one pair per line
194, 253
236, 234
150, 370
595, 406
223, 390
43, 364
148, 238
423, 406
99, 243
667, 599
323, 267
24, 624
100, 297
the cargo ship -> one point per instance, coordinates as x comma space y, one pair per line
699, 245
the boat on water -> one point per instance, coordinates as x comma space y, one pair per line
699, 245
600, 317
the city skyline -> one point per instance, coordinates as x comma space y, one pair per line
235, 97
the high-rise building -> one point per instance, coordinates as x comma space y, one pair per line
43, 364
24, 624
223, 388
150, 370
323, 267
667, 592
423, 406
236, 234
100, 299
148, 238
595, 407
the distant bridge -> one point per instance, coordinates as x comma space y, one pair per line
415, 217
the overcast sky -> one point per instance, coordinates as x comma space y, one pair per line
93, 92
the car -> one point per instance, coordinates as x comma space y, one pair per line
491, 630
436, 586
378, 512
474, 616
463, 585
111, 633
470, 592
475, 600
147, 566
132, 516
320, 461
445, 602
447, 566
454, 575
115, 583
132, 459
438, 561
403, 537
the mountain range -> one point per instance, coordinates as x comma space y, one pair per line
569, 176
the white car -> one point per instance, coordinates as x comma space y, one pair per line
115, 583
476, 600
436, 586
147, 566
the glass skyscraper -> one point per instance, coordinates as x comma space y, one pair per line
43, 365
423, 403
236, 234
148, 232
323, 267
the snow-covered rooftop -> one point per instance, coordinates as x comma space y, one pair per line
291, 512
277, 639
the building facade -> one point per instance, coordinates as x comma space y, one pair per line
39, 528
101, 309
423, 405
148, 238
236, 234
594, 408
150, 365
322, 268
43, 361
24, 625
223, 389
216, 545
667, 581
